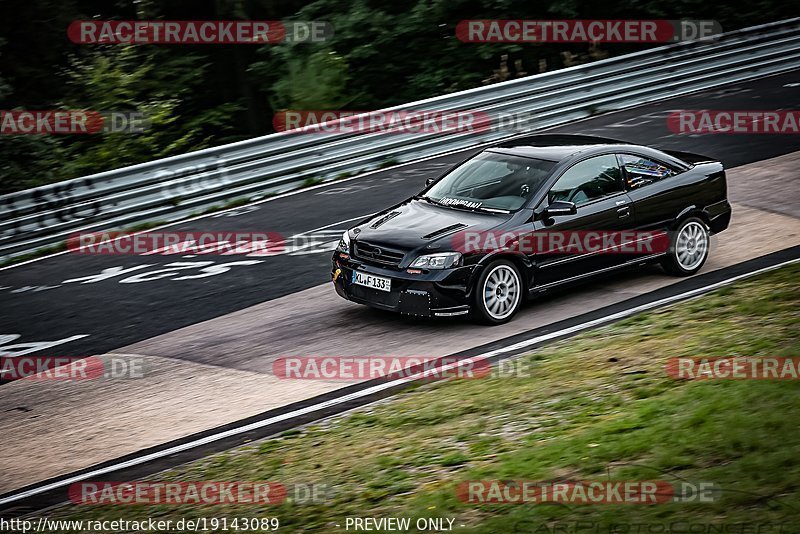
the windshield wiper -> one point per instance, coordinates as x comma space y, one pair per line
431, 200
493, 210
483, 209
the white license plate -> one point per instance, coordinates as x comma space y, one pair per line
370, 280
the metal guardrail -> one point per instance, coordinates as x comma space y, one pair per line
177, 186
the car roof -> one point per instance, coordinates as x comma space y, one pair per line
557, 147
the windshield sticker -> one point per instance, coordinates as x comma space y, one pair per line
458, 202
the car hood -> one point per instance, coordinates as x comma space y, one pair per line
419, 224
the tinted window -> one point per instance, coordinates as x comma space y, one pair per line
491, 180
641, 171
588, 180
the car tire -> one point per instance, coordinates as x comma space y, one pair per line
498, 293
688, 248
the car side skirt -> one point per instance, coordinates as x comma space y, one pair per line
631, 263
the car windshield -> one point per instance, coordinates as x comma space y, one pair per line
491, 181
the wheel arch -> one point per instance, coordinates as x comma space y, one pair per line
691, 211
520, 261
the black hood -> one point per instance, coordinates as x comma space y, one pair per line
418, 223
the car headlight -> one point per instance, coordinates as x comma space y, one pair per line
441, 260
344, 242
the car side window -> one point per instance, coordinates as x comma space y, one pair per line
640, 171
588, 180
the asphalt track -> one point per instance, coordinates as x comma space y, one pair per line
42, 305
220, 371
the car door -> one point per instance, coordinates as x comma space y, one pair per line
595, 186
654, 198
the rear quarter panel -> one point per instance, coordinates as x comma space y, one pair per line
700, 191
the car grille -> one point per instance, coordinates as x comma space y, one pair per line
378, 255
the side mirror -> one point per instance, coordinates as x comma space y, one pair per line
429, 181
560, 207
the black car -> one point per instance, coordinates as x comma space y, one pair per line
527, 215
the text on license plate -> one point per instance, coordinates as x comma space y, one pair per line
369, 280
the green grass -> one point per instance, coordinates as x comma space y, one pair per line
389, 162
596, 406
310, 182
230, 204
44, 251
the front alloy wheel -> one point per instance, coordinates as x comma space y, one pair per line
498, 293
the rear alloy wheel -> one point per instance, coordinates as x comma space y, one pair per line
498, 293
688, 250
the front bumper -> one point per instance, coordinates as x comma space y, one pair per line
429, 293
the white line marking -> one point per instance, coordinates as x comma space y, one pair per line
381, 387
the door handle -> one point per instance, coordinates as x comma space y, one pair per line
624, 212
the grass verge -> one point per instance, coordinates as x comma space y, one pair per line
597, 406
